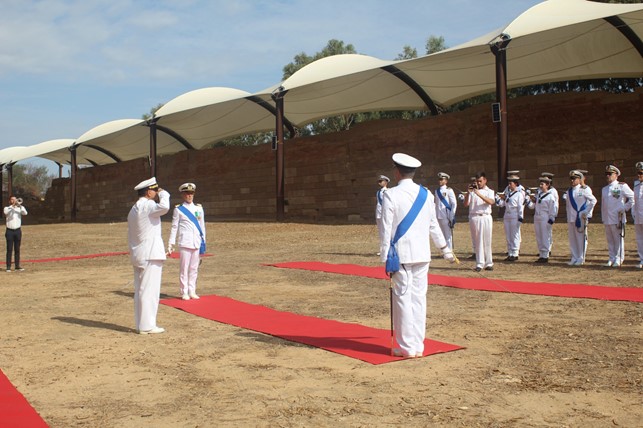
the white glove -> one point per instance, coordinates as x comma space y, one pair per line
448, 255
170, 248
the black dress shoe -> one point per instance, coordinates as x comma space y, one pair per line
472, 257
477, 269
489, 268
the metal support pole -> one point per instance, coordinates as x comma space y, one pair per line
153, 148
74, 181
279, 103
9, 168
60, 170
499, 51
1, 183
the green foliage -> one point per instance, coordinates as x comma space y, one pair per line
435, 44
29, 181
148, 116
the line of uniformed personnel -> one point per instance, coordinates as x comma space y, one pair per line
616, 199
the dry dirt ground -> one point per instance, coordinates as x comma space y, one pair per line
67, 342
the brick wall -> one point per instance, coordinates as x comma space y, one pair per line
331, 178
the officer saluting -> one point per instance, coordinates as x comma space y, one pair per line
188, 226
146, 252
616, 198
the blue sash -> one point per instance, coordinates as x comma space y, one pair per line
572, 201
443, 200
193, 219
379, 196
392, 259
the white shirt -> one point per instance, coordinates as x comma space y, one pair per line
144, 229
440, 209
413, 246
514, 204
546, 205
378, 206
14, 216
476, 205
615, 198
581, 195
188, 234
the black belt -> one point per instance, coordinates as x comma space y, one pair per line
8, 228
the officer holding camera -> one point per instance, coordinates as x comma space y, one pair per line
13, 214
480, 199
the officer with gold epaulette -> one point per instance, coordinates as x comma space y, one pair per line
188, 228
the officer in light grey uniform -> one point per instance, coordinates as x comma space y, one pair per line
446, 205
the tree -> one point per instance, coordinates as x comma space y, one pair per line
435, 44
148, 116
30, 181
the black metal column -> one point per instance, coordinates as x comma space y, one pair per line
153, 148
500, 52
279, 159
73, 182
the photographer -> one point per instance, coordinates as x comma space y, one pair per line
480, 199
13, 214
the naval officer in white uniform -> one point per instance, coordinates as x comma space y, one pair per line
616, 198
637, 212
513, 199
411, 281
545, 204
445, 207
580, 202
190, 237
147, 253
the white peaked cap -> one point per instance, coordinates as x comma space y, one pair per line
406, 160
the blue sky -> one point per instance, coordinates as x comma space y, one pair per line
67, 66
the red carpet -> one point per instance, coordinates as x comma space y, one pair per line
86, 256
174, 255
599, 292
353, 340
15, 410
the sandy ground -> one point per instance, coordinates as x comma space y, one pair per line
68, 344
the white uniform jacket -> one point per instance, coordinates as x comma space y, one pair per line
637, 208
14, 216
184, 230
378, 207
440, 209
514, 204
616, 197
144, 229
413, 246
582, 195
546, 205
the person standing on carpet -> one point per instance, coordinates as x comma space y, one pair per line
637, 212
545, 205
382, 181
480, 199
616, 198
188, 225
445, 207
580, 202
409, 284
147, 252
13, 214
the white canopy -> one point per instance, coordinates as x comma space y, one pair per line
208, 115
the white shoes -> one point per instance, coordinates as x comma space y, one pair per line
194, 296
608, 264
639, 266
155, 330
185, 297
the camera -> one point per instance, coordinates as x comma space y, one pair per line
473, 186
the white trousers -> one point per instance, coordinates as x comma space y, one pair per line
147, 290
189, 260
615, 243
409, 307
446, 231
481, 227
543, 237
638, 228
513, 236
380, 229
577, 243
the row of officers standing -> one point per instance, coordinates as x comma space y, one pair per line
616, 199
